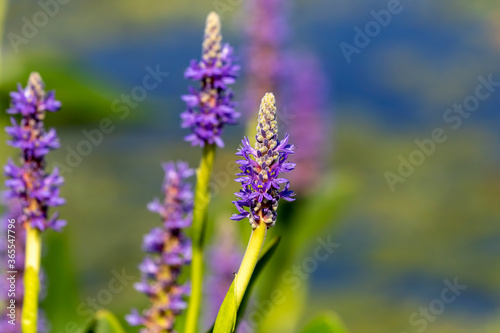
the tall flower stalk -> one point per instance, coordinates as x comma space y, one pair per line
262, 188
169, 251
209, 109
30, 184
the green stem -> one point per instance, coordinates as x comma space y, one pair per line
249, 261
31, 280
3, 12
201, 201
226, 318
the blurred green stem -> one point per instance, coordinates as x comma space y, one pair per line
201, 201
3, 15
31, 279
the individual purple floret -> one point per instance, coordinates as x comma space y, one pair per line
36, 190
18, 244
266, 32
169, 250
306, 85
260, 170
210, 107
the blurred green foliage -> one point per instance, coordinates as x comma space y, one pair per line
104, 322
325, 323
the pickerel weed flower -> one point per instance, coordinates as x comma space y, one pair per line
266, 32
210, 107
18, 243
306, 88
169, 250
36, 190
260, 169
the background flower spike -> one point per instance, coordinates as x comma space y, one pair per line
169, 250
210, 107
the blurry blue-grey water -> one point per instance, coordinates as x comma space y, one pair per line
398, 243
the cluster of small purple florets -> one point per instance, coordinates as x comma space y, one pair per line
210, 107
169, 250
260, 170
29, 183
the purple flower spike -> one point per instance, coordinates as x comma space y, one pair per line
261, 186
210, 107
29, 183
169, 250
266, 35
306, 91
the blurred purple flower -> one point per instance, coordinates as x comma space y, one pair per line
13, 211
224, 258
210, 107
266, 33
306, 87
169, 250
260, 169
36, 190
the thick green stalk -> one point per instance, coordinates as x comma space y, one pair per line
31, 280
249, 261
226, 318
201, 201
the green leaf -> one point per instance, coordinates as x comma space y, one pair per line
229, 317
325, 323
104, 322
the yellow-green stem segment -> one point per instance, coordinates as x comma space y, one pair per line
201, 201
226, 318
249, 261
31, 280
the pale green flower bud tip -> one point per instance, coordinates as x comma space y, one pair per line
213, 39
267, 127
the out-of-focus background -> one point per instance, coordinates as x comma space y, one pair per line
406, 218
